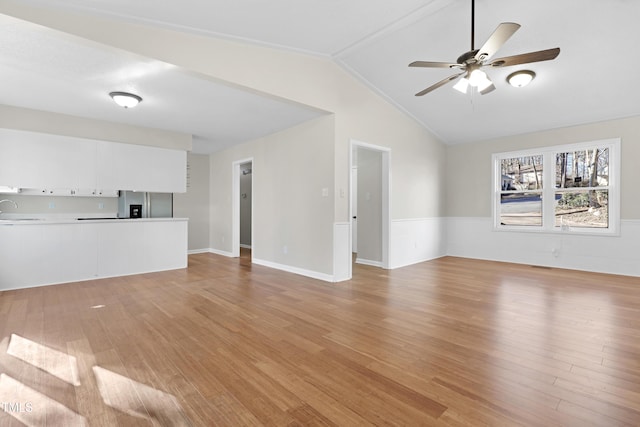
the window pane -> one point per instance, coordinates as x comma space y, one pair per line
584, 168
586, 209
521, 209
521, 173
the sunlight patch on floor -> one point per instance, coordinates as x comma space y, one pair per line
33, 408
139, 400
56, 363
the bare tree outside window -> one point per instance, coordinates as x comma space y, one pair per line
521, 196
567, 188
582, 179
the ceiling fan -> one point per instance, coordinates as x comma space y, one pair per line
470, 63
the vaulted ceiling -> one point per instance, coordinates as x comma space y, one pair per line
375, 40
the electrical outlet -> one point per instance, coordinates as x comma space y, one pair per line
52, 205
100, 205
285, 250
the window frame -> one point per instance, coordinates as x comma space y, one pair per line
549, 189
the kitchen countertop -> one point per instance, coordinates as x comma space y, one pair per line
27, 220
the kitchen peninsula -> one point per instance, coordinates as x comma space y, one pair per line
38, 252
57, 180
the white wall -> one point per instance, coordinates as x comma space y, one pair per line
292, 219
194, 204
426, 176
418, 156
469, 227
65, 125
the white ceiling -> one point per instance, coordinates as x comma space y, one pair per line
374, 39
47, 70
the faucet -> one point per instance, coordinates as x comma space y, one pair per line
10, 201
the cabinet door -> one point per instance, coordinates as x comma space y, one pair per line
84, 163
31, 254
167, 173
35, 160
141, 168
22, 159
172, 174
108, 173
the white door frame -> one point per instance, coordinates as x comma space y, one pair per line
354, 211
235, 206
386, 196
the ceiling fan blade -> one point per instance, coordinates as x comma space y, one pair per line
525, 58
440, 83
488, 89
428, 64
496, 40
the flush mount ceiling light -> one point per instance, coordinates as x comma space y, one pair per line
521, 78
125, 99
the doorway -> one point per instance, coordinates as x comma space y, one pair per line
246, 182
242, 200
370, 203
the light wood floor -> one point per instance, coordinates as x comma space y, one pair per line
452, 342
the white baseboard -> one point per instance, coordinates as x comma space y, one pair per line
245, 246
199, 251
476, 238
369, 262
219, 252
296, 270
303, 272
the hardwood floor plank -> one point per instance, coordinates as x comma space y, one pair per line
450, 342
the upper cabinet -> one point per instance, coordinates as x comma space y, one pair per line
141, 168
33, 160
88, 167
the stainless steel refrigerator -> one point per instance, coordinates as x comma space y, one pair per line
137, 204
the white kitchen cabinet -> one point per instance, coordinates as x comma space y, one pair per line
141, 246
42, 161
141, 168
60, 192
87, 167
35, 253
31, 160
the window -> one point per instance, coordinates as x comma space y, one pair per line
570, 188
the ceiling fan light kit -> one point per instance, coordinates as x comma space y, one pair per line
125, 99
470, 63
521, 78
462, 85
